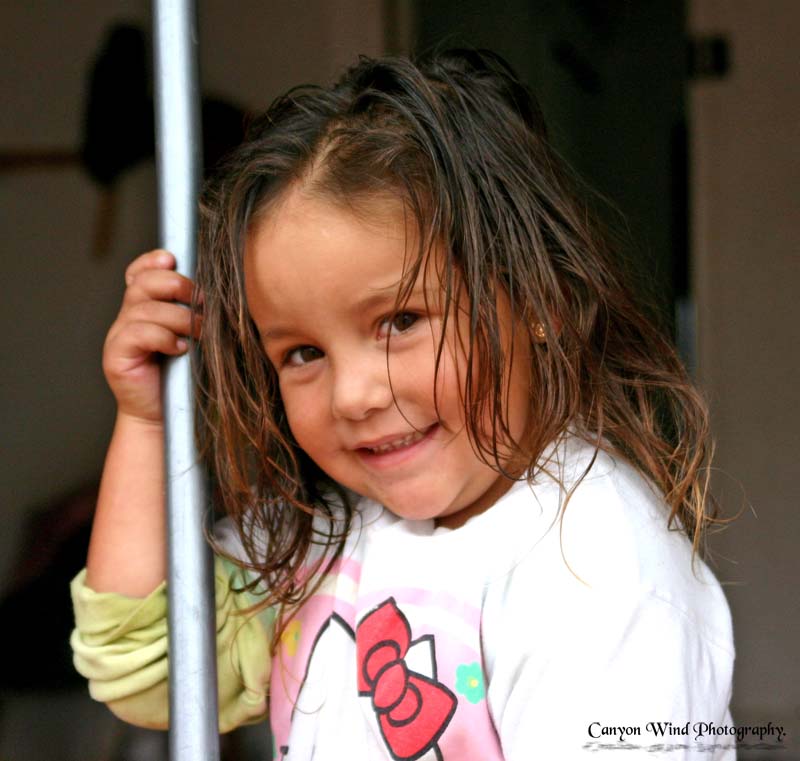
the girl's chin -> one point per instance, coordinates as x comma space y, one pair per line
420, 508
423, 508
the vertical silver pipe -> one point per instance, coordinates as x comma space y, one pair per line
192, 641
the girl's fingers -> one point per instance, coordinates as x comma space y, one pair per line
132, 347
175, 317
154, 284
154, 319
158, 259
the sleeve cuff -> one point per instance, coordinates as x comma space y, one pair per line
120, 645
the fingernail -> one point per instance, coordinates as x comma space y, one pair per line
182, 345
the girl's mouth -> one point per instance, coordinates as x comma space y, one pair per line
412, 438
396, 450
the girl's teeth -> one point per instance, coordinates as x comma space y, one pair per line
398, 443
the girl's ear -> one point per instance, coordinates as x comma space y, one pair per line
539, 332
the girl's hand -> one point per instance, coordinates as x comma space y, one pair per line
154, 319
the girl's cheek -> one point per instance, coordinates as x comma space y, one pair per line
295, 412
448, 380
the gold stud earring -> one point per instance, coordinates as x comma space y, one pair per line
538, 332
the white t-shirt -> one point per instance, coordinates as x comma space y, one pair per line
517, 636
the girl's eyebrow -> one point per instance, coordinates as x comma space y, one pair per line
274, 334
376, 298
389, 293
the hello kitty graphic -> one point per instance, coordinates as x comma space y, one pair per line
398, 674
395, 679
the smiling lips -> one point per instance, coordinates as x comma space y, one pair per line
399, 443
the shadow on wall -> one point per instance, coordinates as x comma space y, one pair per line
118, 131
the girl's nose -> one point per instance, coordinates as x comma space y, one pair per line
361, 387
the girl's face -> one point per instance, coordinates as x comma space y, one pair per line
321, 286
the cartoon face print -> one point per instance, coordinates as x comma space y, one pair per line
406, 709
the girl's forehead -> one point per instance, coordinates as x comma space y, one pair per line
365, 226
300, 205
304, 243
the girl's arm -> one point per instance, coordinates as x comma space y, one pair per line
127, 553
120, 646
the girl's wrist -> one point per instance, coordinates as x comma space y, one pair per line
129, 422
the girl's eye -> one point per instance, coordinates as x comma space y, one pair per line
398, 323
302, 355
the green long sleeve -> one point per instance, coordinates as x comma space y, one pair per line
120, 646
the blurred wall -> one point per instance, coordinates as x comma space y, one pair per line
745, 176
59, 299
610, 79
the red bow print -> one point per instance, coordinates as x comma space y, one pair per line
413, 710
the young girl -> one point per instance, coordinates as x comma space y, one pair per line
463, 474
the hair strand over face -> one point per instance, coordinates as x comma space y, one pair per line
460, 143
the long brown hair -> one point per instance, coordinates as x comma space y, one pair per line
461, 143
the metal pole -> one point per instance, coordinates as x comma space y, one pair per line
192, 631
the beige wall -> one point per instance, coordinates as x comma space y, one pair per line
57, 299
745, 131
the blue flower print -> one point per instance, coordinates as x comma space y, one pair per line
469, 682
